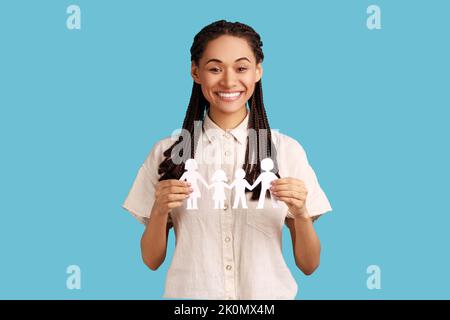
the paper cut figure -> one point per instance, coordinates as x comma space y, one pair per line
191, 175
265, 178
219, 184
239, 188
219, 177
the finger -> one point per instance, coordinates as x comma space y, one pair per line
175, 204
291, 194
173, 190
176, 197
176, 189
287, 181
171, 182
288, 187
291, 201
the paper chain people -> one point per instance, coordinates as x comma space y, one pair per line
219, 184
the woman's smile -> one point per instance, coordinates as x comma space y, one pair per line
229, 96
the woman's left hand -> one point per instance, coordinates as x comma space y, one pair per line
292, 192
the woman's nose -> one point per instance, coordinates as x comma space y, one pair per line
229, 79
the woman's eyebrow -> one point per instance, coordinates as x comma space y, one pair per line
217, 60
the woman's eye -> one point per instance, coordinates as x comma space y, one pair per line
240, 69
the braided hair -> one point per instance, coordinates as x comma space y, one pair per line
198, 104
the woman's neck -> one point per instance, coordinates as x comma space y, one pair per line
226, 120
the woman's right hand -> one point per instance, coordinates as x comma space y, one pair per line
170, 194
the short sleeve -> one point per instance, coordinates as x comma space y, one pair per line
141, 196
316, 201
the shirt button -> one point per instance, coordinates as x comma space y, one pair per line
227, 239
227, 153
227, 135
228, 267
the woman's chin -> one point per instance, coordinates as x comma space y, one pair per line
229, 108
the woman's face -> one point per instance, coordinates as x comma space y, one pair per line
227, 73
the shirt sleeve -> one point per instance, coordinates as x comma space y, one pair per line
141, 196
316, 201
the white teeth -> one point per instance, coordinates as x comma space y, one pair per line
229, 95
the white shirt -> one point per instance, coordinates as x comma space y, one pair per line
228, 253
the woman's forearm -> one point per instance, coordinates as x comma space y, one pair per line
154, 240
307, 245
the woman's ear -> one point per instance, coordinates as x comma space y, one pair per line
259, 72
194, 72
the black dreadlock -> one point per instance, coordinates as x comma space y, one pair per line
198, 105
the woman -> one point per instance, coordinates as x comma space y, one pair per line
228, 253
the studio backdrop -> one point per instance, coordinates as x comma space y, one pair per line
88, 87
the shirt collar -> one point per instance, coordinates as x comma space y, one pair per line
239, 133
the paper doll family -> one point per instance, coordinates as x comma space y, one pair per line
219, 184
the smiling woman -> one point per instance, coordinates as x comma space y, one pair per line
226, 82
228, 253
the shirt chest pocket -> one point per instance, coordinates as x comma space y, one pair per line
266, 221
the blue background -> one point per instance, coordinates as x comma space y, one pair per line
80, 109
